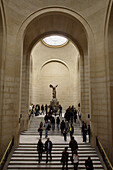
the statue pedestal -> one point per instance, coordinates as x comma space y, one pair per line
55, 104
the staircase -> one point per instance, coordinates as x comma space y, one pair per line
26, 156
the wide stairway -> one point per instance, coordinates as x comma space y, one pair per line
26, 156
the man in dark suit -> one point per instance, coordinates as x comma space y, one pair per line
40, 149
48, 149
64, 158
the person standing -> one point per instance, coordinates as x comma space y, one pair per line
67, 126
38, 106
88, 132
64, 159
71, 130
58, 122
40, 129
75, 160
62, 126
84, 132
60, 110
46, 109
73, 145
65, 134
40, 149
53, 123
48, 149
42, 109
46, 128
89, 164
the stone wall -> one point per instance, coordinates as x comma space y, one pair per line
84, 23
55, 66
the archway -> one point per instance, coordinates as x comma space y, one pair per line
69, 26
56, 65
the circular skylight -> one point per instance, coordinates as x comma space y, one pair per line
55, 41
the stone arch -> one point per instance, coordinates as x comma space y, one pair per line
56, 76
55, 60
64, 22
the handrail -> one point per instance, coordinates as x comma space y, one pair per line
7, 151
104, 155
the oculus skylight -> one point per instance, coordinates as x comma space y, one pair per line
55, 41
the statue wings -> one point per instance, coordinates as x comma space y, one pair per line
52, 86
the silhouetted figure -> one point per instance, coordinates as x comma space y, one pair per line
48, 149
65, 134
60, 110
46, 109
53, 123
40, 129
46, 128
73, 145
62, 126
84, 131
42, 109
58, 122
64, 158
40, 149
89, 164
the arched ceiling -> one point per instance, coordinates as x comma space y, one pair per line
55, 23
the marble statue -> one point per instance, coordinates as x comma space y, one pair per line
54, 90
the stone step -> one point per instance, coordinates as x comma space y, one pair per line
54, 158
49, 166
49, 134
54, 152
53, 155
26, 155
54, 149
55, 146
54, 161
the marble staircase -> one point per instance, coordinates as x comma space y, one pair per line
26, 156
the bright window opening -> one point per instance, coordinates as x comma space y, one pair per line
55, 41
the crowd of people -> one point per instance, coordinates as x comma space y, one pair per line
66, 126
44, 109
65, 157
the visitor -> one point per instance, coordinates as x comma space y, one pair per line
89, 164
48, 149
64, 159
40, 149
73, 145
